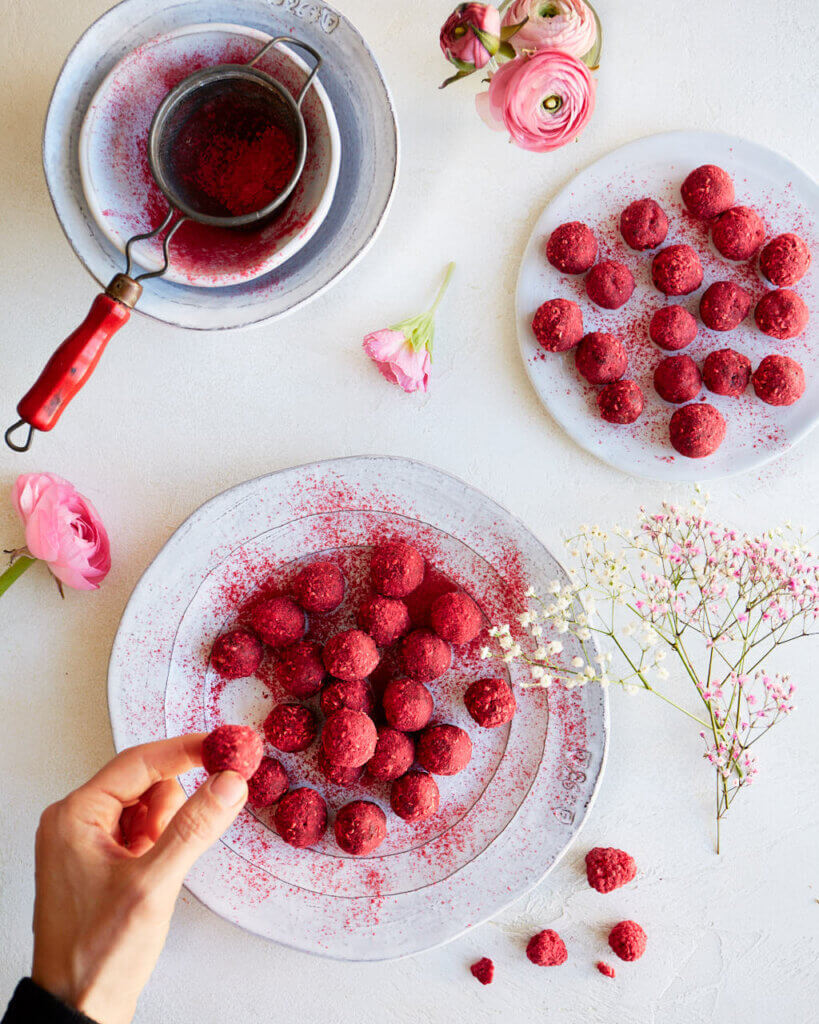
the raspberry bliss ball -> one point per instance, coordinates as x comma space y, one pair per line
396, 569
456, 618
609, 284
278, 621
785, 260
676, 270
355, 695
319, 587
483, 970
490, 702
677, 379
236, 654
572, 248
349, 738
393, 757
726, 372
779, 380
697, 431
290, 728
407, 705
558, 325
415, 796
444, 750
707, 192
781, 314
547, 949
601, 358
301, 818
628, 940
738, 233
234, 748
386, 619
337, 774
643, 224
621, 402
268, 785
672, 328
300, 670
425, 655
724, 305
360, 827
608, 869
350, 655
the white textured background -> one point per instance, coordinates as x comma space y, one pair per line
172, 418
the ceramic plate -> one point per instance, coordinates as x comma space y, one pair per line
504, 821
656, 166
367, 176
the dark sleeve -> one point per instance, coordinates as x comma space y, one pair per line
31, 1004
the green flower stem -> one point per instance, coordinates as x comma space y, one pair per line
15, 571
450, 270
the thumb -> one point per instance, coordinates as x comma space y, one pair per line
198, 824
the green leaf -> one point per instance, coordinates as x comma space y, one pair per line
507, 51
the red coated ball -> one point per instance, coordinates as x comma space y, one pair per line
360, 827
601, 358
301, 818
300, 670
708, 191
291, 727
268, 784
738, 233
621, 402
558, 325
628, 940
608, 869
354, 694
396, 569
236, 654
609, 284
676, 270
547, 949
781, 314
393, 757
697, 430
407, 705
779, 380
643, 224
672, 328
724, 305
350, 655
235, 748
425, 655
455, 617
483, 970
572, 248
415, 796
490, 702
726, 372
338, 775
386, 619
444, 750
348, 738
677, 379
785, 260
278, 621
319, 587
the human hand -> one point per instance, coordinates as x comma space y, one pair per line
110, 861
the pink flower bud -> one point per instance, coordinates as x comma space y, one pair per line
567, 25
397, 360
471, 36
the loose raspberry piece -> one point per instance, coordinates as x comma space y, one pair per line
628, 940
605, 968
483, 970
608, 869
547, 949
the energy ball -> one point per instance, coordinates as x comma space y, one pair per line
726, 372
290, 727
707, 192
785, 260
456, 618
386, 619
672, 328
676, 270
337, 774
609, 284
349, 738
234, 748
415, 796
779, 380
628, 940
724, 305
608, 868
738, 233
643, 224
300, 670
697, 430
236, 654
547, 949
354, 694
319, 587
781, 314
621, 402
601, 358
268, 785
558, 325
393, 757
444, 750
677, 379
360, 827
572, 248
490, 702
278, 621
350, 655
425, 655
407, 705
301, 818
396, 569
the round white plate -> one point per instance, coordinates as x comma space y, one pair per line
503, 823
787, 199
125, 200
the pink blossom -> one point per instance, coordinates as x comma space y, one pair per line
397, 360
566, 25
470, 36
63, 529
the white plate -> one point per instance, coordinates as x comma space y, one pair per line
656, 166
504, 822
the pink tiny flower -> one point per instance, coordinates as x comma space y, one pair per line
470, 37
566, 25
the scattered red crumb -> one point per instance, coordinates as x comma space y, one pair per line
444, 750
300, 670
697, 430
628, 940
608, 869
236, 654
558, 325
268, 784
415, 796
386, 619
726, 372
738, 233
348, 738
338, 774
291, 727
781, 314
643, 224
707, 192
455, 617
353, 694
606, 969
396, 569
319, 587
676, 270
425, 655
677, 379
572, 248
672, 328
278, 621
483, 970
609, 284
407, 705
350, 655
779, 380
621, 402
393, 756
235, 748
360, 827
301, 818
547, 949
601, 358
785, 260
724, 305
490, 702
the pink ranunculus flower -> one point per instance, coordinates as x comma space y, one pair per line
471, 36
543, 100
62, 529
567, 25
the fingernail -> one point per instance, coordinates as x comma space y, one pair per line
229, 788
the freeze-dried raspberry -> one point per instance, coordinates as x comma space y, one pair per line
628, 940
607, 869
605, 968
483, 970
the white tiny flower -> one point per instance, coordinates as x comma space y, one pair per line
555, 647
541, 654
554, 587
538, 672
561, 626
525, 619
583, 634
515, 651
505, 642
531, 592
577, 662
628, 629
550, 611
485, 654
537, 631
662, 673
659, 655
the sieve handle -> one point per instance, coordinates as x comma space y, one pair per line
293, 42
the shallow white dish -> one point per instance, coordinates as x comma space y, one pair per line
504, 822
787, 199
